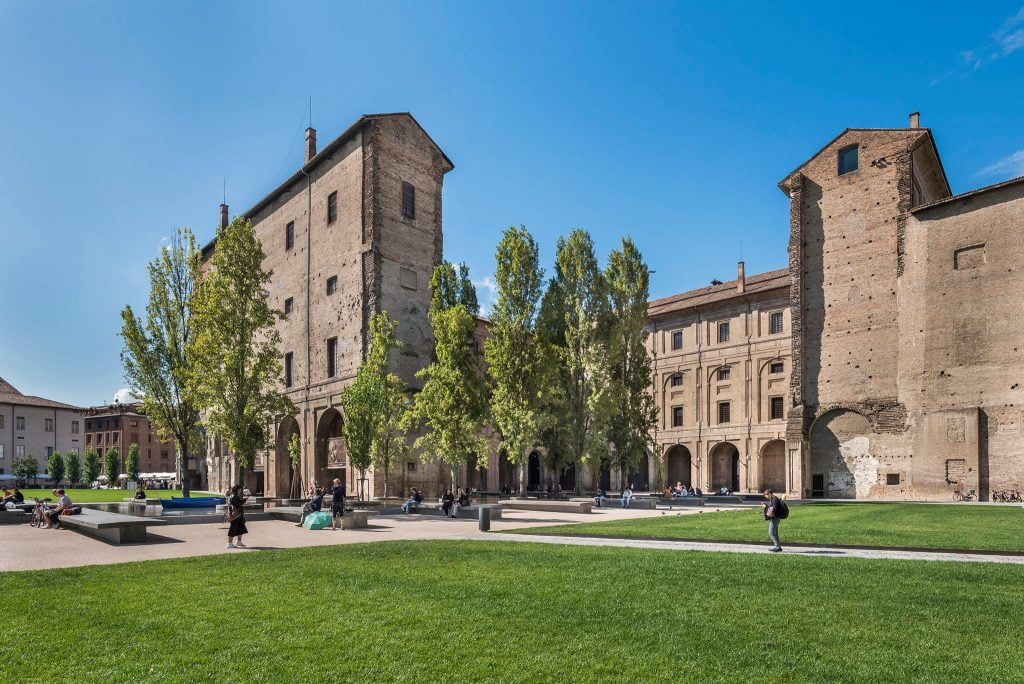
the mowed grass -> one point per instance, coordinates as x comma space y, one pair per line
987, 528
106, 495
493, 611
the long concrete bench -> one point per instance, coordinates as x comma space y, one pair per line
13, 516
351, 520
682, 501
616, 502
552, 506
471, 512
116, 528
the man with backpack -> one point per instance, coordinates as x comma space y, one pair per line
775, 509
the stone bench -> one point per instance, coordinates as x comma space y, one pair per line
349, 521
682, 501
551, 506
13, 516
471, 512
116, 528
644, 502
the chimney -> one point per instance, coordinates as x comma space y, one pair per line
741, 278
915, 120
223, 216
310, 143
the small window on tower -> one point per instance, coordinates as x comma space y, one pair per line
848, 159
408, 200
289, 305
332, 357
289, 235
332, 285
332, 207
288, 369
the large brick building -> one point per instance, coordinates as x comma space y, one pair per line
900, 338
117, 426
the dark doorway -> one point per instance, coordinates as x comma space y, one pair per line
678, 460
533, 471
567, 479
818, 484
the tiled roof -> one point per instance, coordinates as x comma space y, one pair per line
10, 395
761, 282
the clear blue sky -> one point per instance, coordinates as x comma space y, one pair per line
668, 122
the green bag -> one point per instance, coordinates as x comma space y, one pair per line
317, 520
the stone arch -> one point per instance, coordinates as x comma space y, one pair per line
773, 466
725, 466
841, 462
280, 475
679, 464
329, 449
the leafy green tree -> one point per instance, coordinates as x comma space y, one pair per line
131, 464
55, 467
25, 467
511, 354
112, 467
374, 404
578, 298
295, 458
634, 414
450, 286
236, 365
91, 466
157, 354
452, 406
72, 467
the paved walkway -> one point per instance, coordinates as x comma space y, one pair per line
27, 548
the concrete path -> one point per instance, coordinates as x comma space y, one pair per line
27, 548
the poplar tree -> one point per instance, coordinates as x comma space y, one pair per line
55, 467
578, 303
236, 365
374, 404
157, 354
512, 356
112, 467
131, 464
90, 466
634, 413
452, 406
72, 467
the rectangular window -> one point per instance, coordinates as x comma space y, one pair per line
163, 455
677, 416
289, 235
332, 285
677, 339
723, 331
724, 412
848, 159
892, 479
288, 369
775, 323
133, 423
1, 422
1, 452
116, 435
19, 423
332, 357
407, 278
49, 453
777, 367
149, 438
408, 200
723, 373
677, 380
332, 208
48, 425
777, 411
289, 304
74, 427
19, 450
410, 466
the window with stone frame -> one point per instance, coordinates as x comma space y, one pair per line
289, 235
849, 159
677, 416
676, 380
775, 323
332, 207
19, 450
408, 200
724, 373
19, 423
777, 367
677, 340
724, 412
723, 331
777, 408
892, 479
332, 357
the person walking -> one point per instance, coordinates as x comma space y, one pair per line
337, 502
236, 519
772, 513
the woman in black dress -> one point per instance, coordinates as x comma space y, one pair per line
237, 518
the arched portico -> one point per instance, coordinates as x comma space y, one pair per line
329, 449
725, 466
679, 466
279, 470
773, 466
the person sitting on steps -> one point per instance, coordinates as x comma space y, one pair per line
415, 498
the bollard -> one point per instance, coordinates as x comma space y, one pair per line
485, 518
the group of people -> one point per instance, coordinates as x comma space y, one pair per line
315, 502
15, 497
679, 490
450, 503
44, 515
625, 499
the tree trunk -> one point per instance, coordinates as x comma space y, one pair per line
386, 470
522, 479
186, 489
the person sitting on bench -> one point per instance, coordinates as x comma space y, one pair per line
601, 496
461, 502
627, 495
447, 503
414, 499
52, 516
140, 493
315, 503
17, 497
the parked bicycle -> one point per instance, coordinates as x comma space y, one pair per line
1006, 496
964, 496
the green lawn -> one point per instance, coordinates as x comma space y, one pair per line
490, 611
103, 495
914, 525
